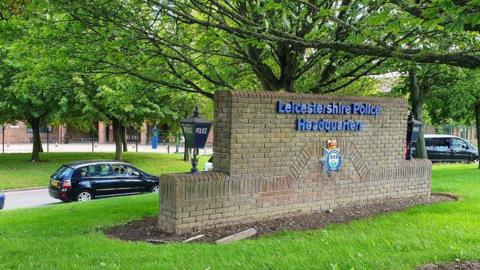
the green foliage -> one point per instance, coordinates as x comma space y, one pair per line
454, 102
43, 74
35, 79
83, 61
204, 47
439, 85
366, 87
453, 16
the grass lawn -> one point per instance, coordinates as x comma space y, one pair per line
67, 236
17, 172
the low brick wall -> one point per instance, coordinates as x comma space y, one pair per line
264, 168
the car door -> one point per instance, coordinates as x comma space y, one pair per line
440, 149
460, 150
130, 179
135, 179
102, 180
432, 149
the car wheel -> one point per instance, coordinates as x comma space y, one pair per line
84, 196
155, 188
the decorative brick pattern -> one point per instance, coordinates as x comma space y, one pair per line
265, 169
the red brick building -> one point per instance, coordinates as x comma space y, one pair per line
21, 133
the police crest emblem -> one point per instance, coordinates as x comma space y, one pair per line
332, 159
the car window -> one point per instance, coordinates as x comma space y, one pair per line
459, 144
132, 171
100, 170
441, 142
428, 142
119, 169
80, 172
63, 172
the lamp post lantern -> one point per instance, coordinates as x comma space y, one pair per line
413, 132
195, 130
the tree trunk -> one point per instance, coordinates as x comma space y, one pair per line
117, 137
288, 65
37, 143
186, 157
477, 124
417, 100
124, 139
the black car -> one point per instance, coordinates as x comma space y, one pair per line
86, 180
447, 148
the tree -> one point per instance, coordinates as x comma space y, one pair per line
73, 90
9, 8
463, 96
382, 32
421, 83
454, 15
147, 38
36, 82
126, 102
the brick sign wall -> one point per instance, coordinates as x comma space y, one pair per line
266, 165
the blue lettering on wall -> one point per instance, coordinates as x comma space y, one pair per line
328, 125
325, 125
330, 108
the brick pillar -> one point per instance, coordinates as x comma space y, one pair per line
101, 133
143, 133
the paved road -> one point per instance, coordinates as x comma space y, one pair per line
28, 198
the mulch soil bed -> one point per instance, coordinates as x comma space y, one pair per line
452, 266
147, 228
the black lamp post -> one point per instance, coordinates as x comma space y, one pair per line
195, 130
413, 132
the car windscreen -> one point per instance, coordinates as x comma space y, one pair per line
63, 172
